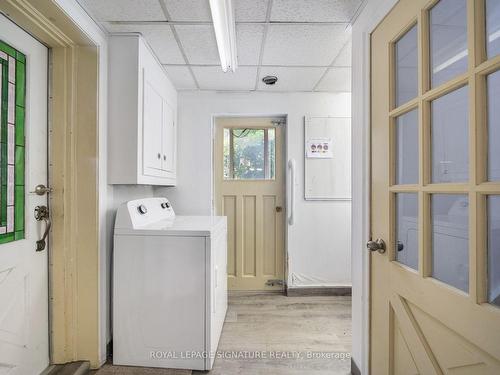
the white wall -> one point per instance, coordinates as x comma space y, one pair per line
319, 241
371, 15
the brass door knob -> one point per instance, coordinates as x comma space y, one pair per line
377, 245
279, 209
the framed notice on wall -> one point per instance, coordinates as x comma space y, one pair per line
319, 148
327, 158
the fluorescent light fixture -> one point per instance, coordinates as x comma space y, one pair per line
452, 60
225, 33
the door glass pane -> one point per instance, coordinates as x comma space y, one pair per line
406, 57
407, 229
493, 83
450, 134
450, 239
448, 40
492, 28
494, 249
406, 139
249, 154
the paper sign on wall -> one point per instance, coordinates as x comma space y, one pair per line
319, 148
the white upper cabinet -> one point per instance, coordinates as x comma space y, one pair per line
143, 116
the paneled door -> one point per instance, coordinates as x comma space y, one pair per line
249, 189
435, 205
24, 331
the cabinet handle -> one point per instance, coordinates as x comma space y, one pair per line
164, 157
159, 156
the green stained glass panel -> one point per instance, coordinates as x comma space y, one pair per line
4, 47
20, 83
7, 237
20, 57
19, 208
19, 126
12, 150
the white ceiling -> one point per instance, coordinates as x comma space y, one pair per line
305, 43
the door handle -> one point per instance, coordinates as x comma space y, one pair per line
42, 213
377, 245
41, 190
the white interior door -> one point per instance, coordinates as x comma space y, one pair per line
24, 333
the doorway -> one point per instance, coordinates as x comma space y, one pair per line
249, 179
435, 188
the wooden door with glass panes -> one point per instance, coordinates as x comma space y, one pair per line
435, 180
249, 179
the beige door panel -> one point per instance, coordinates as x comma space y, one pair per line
255, 212
419, 324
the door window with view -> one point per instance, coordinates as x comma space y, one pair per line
249, 154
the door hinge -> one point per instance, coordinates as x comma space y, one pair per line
274, 282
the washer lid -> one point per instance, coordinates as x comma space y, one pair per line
188, 226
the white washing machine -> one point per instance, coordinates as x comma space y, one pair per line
169, 286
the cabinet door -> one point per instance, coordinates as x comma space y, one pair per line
152, 130
168, 139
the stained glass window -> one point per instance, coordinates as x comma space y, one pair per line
12, 113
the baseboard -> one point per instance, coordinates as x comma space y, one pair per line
319, 291
354, 368
236, 293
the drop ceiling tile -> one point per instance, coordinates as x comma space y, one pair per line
125, 10
213, 78
336, 79
188, 10
199, 44
159, 37
344, 56
181, 77
250, 10
248, 42
291, 79
309, 45
314, 11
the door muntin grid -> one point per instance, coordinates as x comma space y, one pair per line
473, 68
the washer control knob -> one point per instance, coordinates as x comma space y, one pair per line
142, 209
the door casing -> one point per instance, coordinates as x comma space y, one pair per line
74, 267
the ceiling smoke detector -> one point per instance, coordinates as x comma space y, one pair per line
270, 80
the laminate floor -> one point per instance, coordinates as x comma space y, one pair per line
291, 335
277, 335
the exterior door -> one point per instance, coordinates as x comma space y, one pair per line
24, 329
435, 291
249, 190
